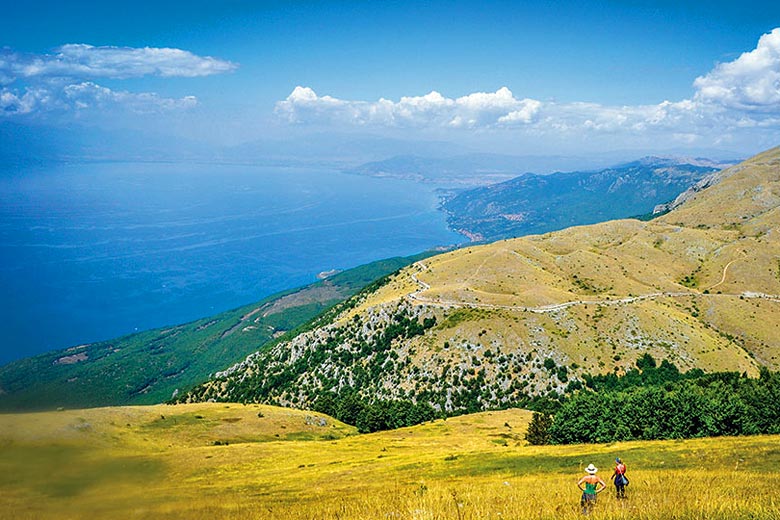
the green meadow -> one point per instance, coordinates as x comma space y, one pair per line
217, 460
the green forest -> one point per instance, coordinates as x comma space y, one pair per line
660, 402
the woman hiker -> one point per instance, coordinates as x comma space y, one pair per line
620, 478
591, 485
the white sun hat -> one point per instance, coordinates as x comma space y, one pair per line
591, 469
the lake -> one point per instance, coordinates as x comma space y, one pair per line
93, 251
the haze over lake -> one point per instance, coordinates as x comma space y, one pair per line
93, 251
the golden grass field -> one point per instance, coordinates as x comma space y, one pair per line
161, 462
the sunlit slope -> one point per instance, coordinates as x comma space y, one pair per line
699, 286
746, 195
162, 426
171, 462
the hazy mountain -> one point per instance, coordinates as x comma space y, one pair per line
22, 145
332, 150
533, 203
469, 170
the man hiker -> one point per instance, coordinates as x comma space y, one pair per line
620, 478
591, 485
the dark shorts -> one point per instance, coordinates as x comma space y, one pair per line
587, 498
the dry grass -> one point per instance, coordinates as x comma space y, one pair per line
704, 256
90, 463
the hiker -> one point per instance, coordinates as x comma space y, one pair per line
620, 478
591, 485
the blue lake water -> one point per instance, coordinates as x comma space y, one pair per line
93, 251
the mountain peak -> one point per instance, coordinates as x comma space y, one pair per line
677, 160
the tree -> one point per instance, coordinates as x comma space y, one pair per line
539, 430
645, 361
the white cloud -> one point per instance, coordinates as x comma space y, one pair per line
13, 104
88, 95
522, 115
85, 97
751, 82
481, 110
62, 81
31, 101
89, 62
734, 97
432, 109
302, 95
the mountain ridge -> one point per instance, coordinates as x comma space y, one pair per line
533, 203
489, 325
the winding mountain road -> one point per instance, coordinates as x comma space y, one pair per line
725, 270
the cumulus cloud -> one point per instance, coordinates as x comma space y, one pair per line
738, 95
751, 82
85, 97
473, 110
12, 104
497, 110
64, 79
90, 62
525, 114
89, 95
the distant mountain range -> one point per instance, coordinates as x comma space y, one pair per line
488, 326
533, 203
23, 144
468, 170
445, 163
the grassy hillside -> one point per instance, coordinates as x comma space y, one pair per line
487, 326
149, 367
171, 462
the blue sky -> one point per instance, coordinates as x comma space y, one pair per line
516, 77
